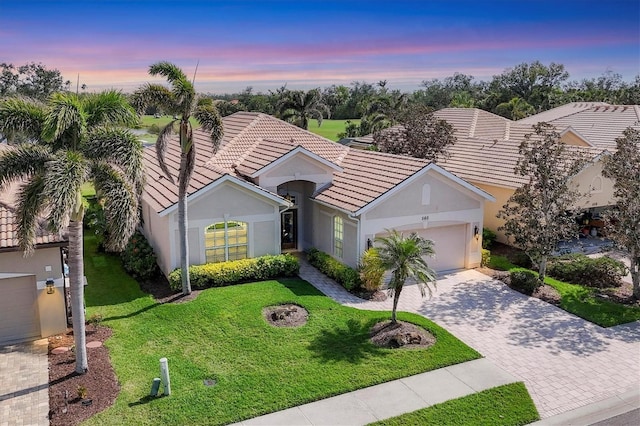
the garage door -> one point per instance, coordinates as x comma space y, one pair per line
18, 309
450, 245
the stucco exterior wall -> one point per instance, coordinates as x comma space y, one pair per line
491, 209
156, 229
595, 190
264, 235
428, 194
37, 263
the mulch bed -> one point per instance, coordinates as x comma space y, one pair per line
100, 381
401, 335
286, 315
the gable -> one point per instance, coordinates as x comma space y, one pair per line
431, 193
229, 198
571, 137
297, 166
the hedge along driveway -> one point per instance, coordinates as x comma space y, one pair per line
222, 335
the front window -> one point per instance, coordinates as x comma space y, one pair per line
226, 241
338, 236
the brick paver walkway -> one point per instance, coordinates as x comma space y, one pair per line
24, 376
565, 362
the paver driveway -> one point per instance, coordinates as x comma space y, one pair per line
565, 361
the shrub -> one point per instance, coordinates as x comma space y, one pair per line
154, 129
237, 271
343, 274
521, 259
488, 238
486, 257
525, 281
371, 270
138, 258
603, 272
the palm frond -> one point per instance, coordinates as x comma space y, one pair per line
168, 70
64, 176
161, 148
153, 95
210, 120
120, 204
119, 147
109, 108
22, 161
29, 207
21, 115
65, 114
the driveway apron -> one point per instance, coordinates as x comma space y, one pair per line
24, 375
565, 361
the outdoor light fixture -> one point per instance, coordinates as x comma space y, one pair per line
369, 243
475, 231
49, 285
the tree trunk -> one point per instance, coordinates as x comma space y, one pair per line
76, 287
634, 268
542, 271
396, 297
183, 225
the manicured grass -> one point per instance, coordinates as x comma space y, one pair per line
147, 120
222, 335
505, 405
580, 300
329, 128
87, 190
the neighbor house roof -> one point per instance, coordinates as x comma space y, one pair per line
560, 112
254, 140
9, 220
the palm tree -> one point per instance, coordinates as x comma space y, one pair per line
298, 107
180, 101
72, 141
404, 257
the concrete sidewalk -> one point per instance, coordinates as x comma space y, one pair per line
393, 398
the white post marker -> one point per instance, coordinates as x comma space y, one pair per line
164, 374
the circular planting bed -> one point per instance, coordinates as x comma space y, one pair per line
401, 335
286, 315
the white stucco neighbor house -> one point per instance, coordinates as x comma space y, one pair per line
273, 187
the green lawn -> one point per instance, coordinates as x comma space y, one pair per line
580, 300
329, 128
222, 335
504, 405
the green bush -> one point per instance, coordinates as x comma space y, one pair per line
486, 257
524, 281
488, 238
521, 259
95, 221
138, 258
154, 129
237, 271
603, 272
348, 277
371, 270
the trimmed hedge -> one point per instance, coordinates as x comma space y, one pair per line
524, 281
237, 271
348, 277
602, 272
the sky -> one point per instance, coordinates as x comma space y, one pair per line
304, 44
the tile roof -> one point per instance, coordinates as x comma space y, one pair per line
254, 140
560, 112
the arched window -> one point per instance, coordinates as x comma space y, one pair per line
426, 194
596, 184
338, 236
226, 241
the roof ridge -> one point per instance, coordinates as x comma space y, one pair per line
229, 143
474, 122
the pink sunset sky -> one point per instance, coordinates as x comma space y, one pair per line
308, 44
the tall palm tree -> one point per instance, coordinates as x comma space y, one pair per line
73, 140
181, 100
298, 107
404, 257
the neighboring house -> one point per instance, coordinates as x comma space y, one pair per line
28, 310
486, 150
274, 187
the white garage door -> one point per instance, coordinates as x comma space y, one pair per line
18, 309
450, 245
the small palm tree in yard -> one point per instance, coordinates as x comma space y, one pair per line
404, 257
73, 140
298, 107
181, 101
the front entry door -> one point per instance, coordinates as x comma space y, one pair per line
289, 231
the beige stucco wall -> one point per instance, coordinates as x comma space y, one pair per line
444, 196
298, 167
264, 234
323, 228
51, 309
571, 138
156, 229
595, 190
323, 234
228, 199
491, 209
37, 263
